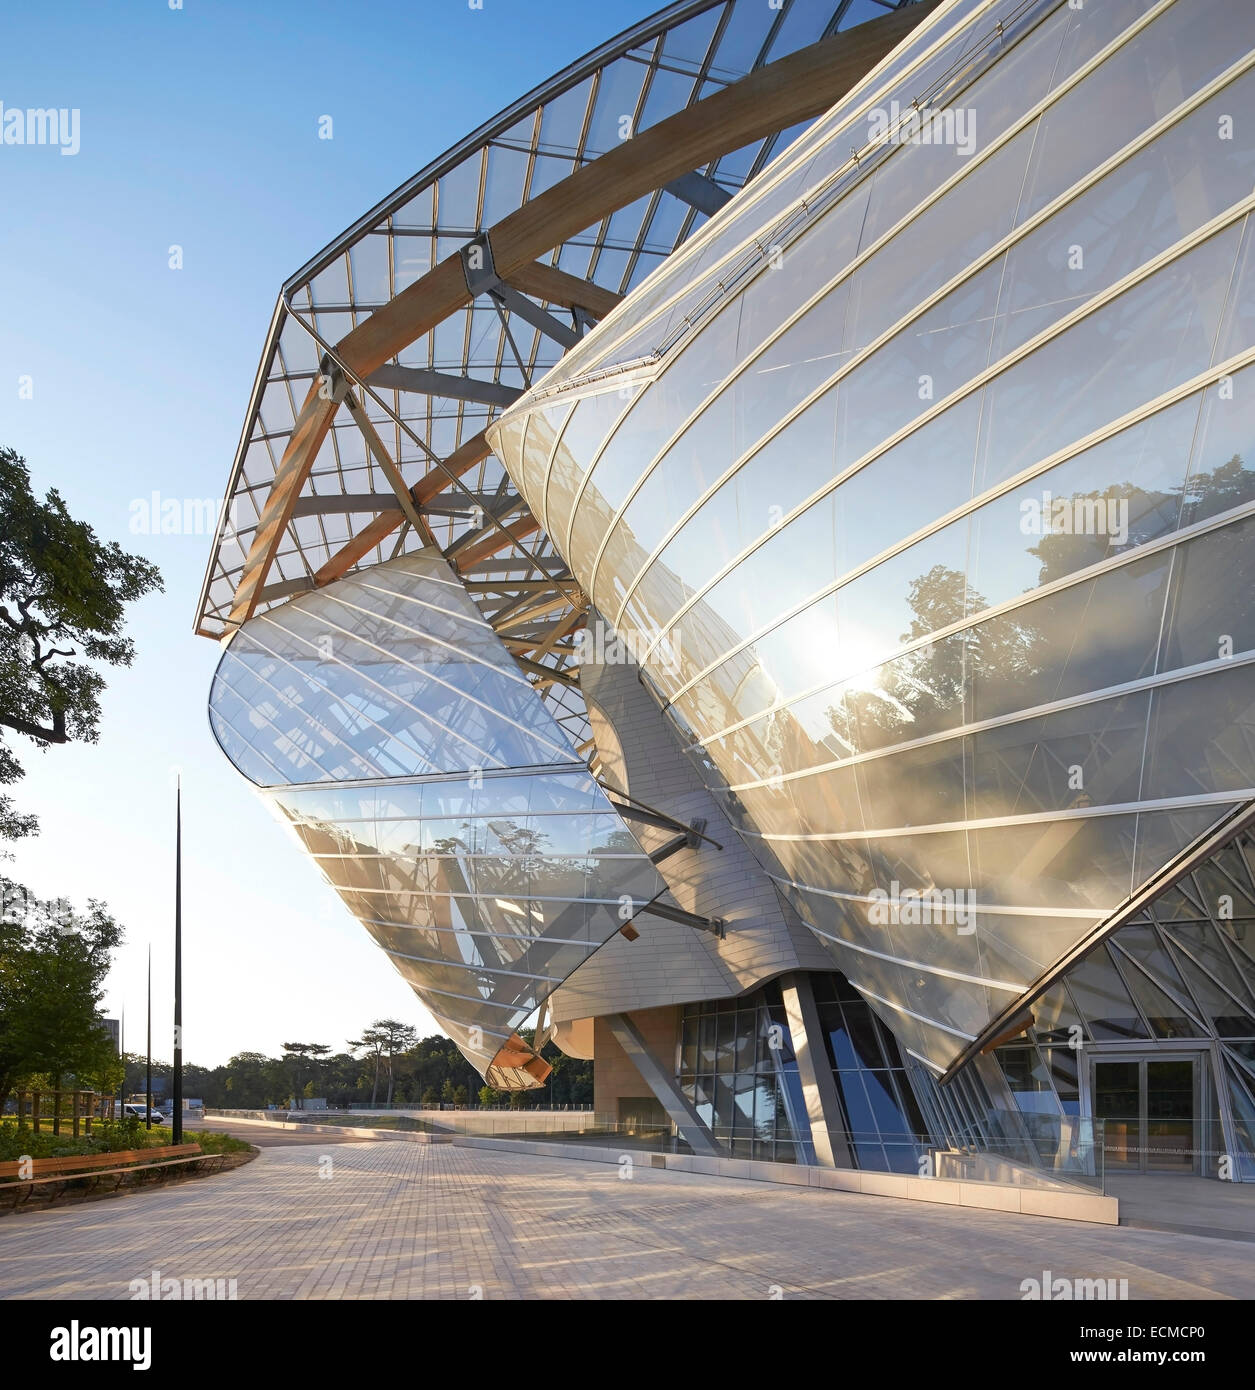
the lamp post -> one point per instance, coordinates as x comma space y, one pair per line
178, 963
148, 1065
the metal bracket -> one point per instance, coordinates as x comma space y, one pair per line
330, 375
714, 925
699, 192
482, 279
632, 809
688, 839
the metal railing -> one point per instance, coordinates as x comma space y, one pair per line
1045, 1152
1027, 1149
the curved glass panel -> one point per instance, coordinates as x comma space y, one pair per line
936, 531
383, 720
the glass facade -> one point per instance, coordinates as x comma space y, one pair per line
921, 478
883, 1122
738, 1067
924, 477
1174, 988
381, 718
384, 721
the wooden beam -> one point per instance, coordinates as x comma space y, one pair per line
526, 610
547, 282
390, 471
462, 460
496, 541
772, 98
498, 510
562, 628
312, 424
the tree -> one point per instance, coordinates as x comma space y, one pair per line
372, 1042
460, 1095
446, 1092
488, 1095
386, 1037
53, 963
571, 1080
399, 1037
63, 595
430, 1097
300, 1057
317, 1051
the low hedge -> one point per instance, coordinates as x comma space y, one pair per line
106, 1137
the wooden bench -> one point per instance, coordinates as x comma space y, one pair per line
77, 1167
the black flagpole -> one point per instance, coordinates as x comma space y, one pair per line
148, 1066
178, 962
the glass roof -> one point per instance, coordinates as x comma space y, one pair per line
681, 55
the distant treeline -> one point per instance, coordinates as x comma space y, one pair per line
426, 1071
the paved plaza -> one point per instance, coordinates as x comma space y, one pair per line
374, 1219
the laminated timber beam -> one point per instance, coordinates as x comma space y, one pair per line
543, 281
461, 461
513, 587
496, 509
497, 541
775, 97
526, 610
545, 675
390, 471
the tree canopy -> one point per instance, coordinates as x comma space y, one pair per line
53, 963
63, 598
427, 1071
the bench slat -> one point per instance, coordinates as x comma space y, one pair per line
112, 1172
43, 1167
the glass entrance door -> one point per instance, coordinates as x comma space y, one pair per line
1149, 1109
1117, 1102
1168, 1086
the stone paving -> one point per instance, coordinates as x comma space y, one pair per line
409, 1220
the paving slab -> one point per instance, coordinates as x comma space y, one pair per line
369, 1220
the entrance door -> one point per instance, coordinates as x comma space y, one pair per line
1149, 1111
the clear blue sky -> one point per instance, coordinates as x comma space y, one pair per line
199, 127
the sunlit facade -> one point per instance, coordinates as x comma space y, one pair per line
793, 641
922, 482
387, 727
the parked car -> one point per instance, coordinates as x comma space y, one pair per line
139, 1113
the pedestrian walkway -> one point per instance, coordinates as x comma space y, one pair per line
408, 1220
1191, 1206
